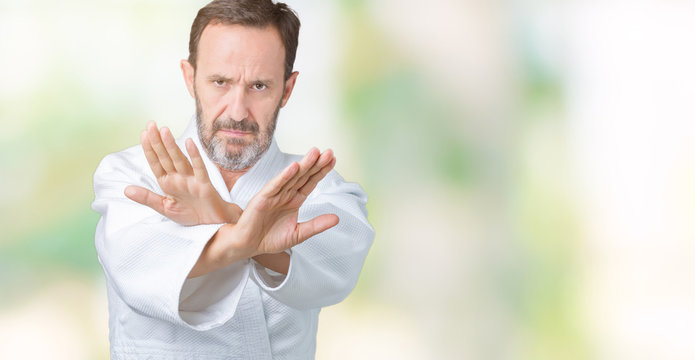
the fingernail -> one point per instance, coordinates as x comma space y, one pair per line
129, 192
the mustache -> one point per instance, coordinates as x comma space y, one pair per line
231, 124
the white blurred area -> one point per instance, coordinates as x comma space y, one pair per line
631, 90
625, 148
64, 320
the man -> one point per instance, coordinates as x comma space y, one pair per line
176, 247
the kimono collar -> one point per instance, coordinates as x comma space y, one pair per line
269, 165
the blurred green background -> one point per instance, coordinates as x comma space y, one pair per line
529, 165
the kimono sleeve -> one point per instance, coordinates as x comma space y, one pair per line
324, 269
146, 257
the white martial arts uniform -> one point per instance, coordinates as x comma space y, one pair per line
156, 313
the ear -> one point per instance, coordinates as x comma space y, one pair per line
188, 76
289, 85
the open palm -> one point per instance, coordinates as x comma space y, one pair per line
268, 225
190, 198
270, 219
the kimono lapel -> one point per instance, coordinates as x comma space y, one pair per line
213, 172
269, 165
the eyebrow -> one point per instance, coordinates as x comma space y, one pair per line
215, 77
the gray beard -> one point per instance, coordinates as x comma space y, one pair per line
249, 155
216, 147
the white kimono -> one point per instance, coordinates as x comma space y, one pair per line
156, 313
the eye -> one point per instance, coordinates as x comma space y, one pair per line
259, 86
218, 83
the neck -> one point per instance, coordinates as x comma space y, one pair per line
231, 176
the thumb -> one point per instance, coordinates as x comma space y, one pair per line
315, 226
145, 197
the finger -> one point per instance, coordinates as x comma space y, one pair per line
274, 186
180, 161
315, 226
322, 162
305, 166
199, 170
159, 149
151, 156
145, 197
316, 178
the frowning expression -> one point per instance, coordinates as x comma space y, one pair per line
239, 87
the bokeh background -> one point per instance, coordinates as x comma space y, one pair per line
529, 164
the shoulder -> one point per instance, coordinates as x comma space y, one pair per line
127, 165
130, 158
333, 183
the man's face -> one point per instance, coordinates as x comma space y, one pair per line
239, 89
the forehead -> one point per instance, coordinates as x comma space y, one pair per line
230, 48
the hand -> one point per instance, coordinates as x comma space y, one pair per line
269, 225
190, 198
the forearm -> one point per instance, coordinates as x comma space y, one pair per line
209, 259
146, 263
325, 268
217, 253
279, 263
147, 258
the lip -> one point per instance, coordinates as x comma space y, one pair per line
234, 133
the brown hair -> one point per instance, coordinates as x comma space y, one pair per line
255, 13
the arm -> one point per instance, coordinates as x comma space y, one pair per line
146, 257
324, 269
215, 256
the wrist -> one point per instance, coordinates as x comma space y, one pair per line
233, 244
279, 262
220, 251
221, 213
232, 213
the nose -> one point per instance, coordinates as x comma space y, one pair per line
236, 104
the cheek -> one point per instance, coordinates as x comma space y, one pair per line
207, 97
264, 106
210, 102
263, 111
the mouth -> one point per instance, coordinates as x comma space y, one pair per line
235, 133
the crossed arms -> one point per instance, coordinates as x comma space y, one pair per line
263, 231
147, 254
